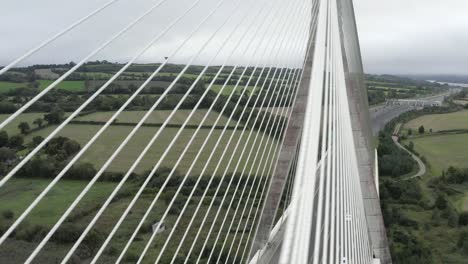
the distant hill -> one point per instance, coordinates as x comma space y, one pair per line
441, 78
383, 87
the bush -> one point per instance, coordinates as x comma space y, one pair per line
115, 176
411, 146
167, 195
441, 202
7, 154
67, 233
81, 171
8, 214
463, 219
40, 167
463, 241
62, 146
132, 257
30, 233
3, 138
37, 140
90, 244
452, 216
16, 141
421, 130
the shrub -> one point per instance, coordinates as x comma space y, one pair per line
463, 219
421, 130
441, 203
462, 242
8, 214
29, 233
3, 138
131, 256
91, 243
67, 233
81, 171
16, 141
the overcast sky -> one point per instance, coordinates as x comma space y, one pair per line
397, 36
413, 36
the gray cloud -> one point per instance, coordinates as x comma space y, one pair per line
413, 36
397, 36
26, 27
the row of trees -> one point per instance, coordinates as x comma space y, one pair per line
392, 160
421, 130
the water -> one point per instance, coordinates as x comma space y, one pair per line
450, 84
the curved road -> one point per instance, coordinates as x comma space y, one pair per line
382, 114
422, 166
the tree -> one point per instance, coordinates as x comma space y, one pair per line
38, 122
6, 154
91, 243
463, 219
167, 196
81, 171
55, 116
441, 203
62, 147
37, 140
435, 217
39, 167
8, 214
410, 132
452, 217
3, 138
16, 141
463, 241
7, 107
71, 147
24, 127
411, 146
421, 130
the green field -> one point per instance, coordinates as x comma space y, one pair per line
283, 111
159, 116
12, 128
228, 89
443, 151
8, 86
72, 86
62, 194
457, 120
109, 141
50, 209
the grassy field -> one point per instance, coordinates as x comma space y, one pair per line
110, 140
461, 102
46, 213
12, 128
8, 86
228, 89
284, 111
457, 120
158, 117
443, 151
72, 86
